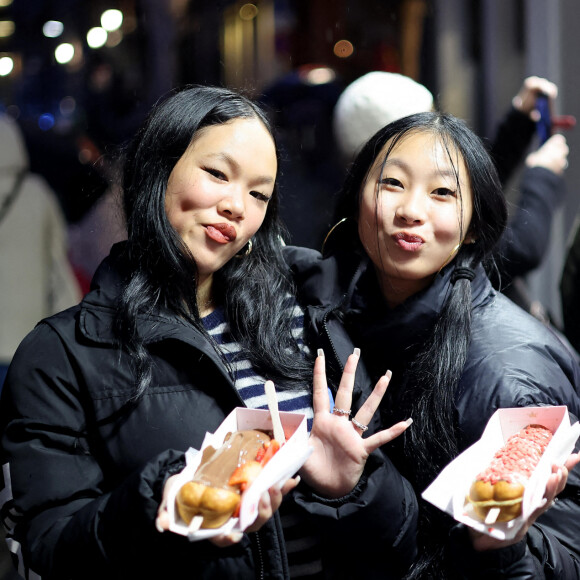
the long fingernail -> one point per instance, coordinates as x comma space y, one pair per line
320, 352
158, 526
297, 479
389, 374
409, 421
236, 537
356, 351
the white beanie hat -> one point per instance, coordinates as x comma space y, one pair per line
373, 101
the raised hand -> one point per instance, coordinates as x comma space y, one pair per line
340, 451
552, 155
525, 100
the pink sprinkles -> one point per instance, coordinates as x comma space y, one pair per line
517, 459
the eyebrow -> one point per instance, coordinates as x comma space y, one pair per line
261, 179
406, 167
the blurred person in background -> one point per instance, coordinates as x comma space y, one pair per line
301, 105
37, 278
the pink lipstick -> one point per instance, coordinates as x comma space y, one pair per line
221, 233
408, 242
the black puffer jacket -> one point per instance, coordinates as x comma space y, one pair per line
513, 361
88, 467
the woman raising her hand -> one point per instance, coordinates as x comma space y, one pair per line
421, 212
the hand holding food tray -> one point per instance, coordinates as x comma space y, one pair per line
450, 492
282, 465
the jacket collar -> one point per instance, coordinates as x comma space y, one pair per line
411, 321
97, 311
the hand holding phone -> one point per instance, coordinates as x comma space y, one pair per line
548, 123
544, 126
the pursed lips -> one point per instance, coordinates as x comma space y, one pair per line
407, 241
221, 232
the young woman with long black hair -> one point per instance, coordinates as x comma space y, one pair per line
185, 321
421, 212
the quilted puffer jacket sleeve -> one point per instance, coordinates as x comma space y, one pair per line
518, 562
63, 507
71, 520
377, 522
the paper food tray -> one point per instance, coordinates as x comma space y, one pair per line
283, 465
449, 491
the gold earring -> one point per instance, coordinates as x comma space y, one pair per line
450, 257
248, 249
331, 230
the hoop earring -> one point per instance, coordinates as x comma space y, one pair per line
452, 255
332, 230
250, 247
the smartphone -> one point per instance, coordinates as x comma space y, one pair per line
544, 125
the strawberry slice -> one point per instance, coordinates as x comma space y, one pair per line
260, 453
271, 448
245, 474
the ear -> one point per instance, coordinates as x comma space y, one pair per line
469, 238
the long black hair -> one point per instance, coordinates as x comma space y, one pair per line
253, 289
432, 379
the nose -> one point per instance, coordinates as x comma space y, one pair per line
232, 204
410, 208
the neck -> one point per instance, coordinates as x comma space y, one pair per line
205, 303
396, 292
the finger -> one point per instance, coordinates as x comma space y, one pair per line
289, 485
572, 461
386, 435
264, 512
343, 399
370, 406
275, 498
162, 521
320, 402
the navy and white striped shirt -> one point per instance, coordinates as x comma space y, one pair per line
302, 549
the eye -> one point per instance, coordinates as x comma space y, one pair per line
261, 196
216, 173
390, 183
444, 192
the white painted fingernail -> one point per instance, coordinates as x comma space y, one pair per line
356, 351
389, 374
320, 352
158, 526
409, 421
236, 537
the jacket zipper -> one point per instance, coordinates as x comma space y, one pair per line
260, 556
348, 294
336, 357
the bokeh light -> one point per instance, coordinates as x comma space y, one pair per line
96, 37
111, 19
6, 66
248, 12
46, 122
6, 28
52, 28
64, 53
67, 106
343, 49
